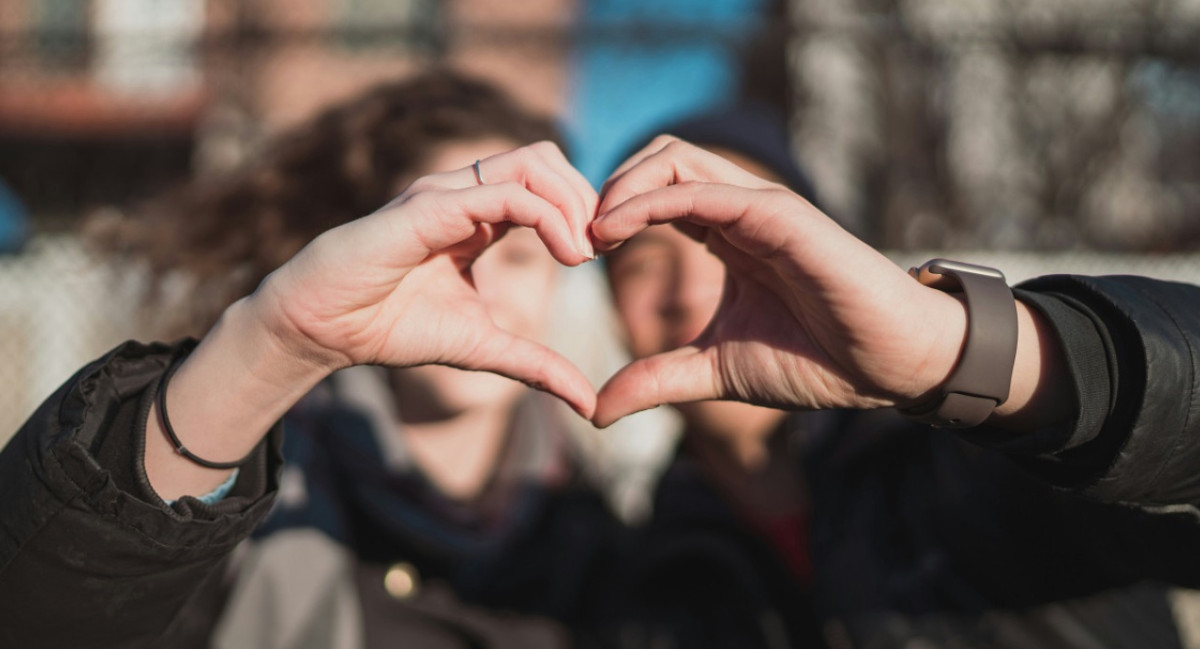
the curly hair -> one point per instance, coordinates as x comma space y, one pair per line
222, 236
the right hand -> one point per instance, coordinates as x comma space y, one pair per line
810, 317
394, 288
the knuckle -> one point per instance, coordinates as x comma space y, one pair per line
421, 185
664, 140
779, 193
677, 146
546, 147
396, 201
526, 155
424, 201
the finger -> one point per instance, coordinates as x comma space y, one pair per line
532, 167
465, 253
760, 222
447, 218
555, 157
678, 376
676, 162
536, 366
655, 145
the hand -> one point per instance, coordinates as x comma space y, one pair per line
395, 288
810, 317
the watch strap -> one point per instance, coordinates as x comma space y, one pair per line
981, 379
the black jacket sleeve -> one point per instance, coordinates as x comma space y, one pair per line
89, 555
1132, 345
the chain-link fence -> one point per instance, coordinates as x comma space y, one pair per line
1002, 124
60, 308
928, 124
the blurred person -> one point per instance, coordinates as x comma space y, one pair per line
425, 506
90, 554
777, 528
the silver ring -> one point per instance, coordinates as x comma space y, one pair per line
478, 174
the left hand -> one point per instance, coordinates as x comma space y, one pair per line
810, 317
392, 288
395, 288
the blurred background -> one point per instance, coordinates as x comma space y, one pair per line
1035, 136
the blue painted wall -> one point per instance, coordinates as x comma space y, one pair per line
14, 224
642, 63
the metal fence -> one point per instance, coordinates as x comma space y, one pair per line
927, 124
59, 308
1003, 124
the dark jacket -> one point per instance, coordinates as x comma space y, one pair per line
90, 558
923, 537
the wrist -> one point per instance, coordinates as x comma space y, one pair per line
1040, 394
269, 352
223, 399
982, 376
945, 345
267, 312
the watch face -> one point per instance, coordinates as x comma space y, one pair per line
945, 266
940, 273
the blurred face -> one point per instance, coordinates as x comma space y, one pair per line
515, 278
666, 288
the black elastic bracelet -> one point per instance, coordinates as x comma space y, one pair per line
166, 422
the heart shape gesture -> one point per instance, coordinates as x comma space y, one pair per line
395, 288
809, 317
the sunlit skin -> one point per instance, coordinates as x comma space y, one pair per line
455, 421
791, 330
666, 288
393, 288
514, 278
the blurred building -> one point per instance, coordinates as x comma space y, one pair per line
76, 117
1004, 124
928, 123
104, 101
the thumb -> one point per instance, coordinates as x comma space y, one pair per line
677, 376
535, 365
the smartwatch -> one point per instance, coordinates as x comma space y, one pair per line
980, 380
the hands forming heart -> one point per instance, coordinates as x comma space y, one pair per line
810, 317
